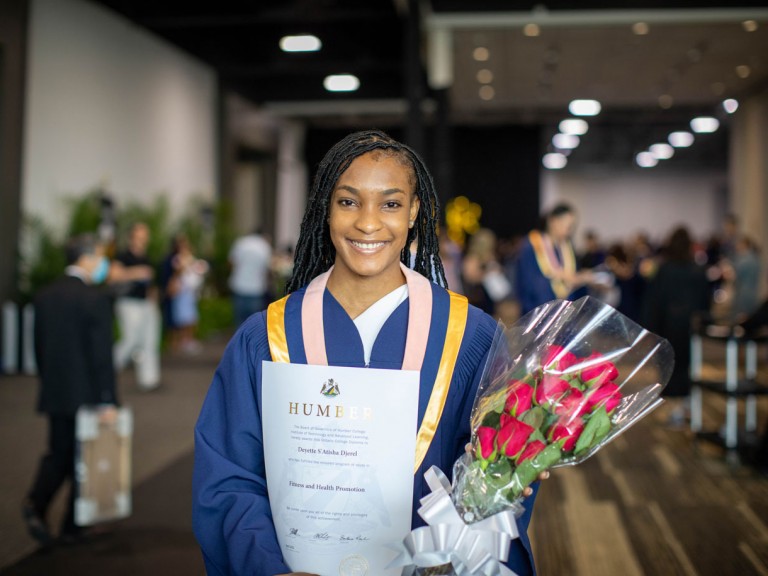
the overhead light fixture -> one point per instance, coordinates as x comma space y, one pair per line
661, 151
554, 161
749, 25
743, 71
531, 29
584, 107
565, 141
341, 83
705, 124
681, 139
484, 76
640, 28
666, 101
646, 160
487, 92
730, 105
575, 126
481, 54
300, 43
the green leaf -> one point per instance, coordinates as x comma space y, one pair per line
492, 420
499, 473
534, 417
598, 425
547, 457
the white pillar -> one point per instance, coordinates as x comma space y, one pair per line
748, 198
292, 184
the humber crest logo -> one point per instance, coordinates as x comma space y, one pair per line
330, 388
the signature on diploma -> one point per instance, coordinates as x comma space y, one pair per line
358, 538
322, 536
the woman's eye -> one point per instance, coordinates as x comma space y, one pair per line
392, 205
346, 202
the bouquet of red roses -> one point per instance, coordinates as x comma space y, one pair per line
558, 385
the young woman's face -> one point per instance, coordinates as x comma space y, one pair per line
371, 208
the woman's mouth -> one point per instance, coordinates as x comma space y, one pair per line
367, 246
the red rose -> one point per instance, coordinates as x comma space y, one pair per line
530, 451
512, 436
551, 389
556, 359
567, 430
598, 370
573, 404
607, 394
486, 436
519, 397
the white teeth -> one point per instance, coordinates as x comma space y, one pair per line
367, 245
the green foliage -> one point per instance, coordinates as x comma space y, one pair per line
43, 260
216, 315
85, 213
208, 228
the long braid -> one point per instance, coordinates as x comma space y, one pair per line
315, 252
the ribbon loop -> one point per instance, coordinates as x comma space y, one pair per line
478, 549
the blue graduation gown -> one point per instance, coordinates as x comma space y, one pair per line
231, 514
533, 288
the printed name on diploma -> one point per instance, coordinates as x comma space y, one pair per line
327, 451
330, 410
328, 487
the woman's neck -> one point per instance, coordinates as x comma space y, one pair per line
358, 293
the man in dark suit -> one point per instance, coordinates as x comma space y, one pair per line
73, 348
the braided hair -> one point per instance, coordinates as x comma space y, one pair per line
315, 252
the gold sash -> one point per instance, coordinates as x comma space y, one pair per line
457, 321
549, 264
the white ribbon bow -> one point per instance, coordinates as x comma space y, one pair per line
472, 549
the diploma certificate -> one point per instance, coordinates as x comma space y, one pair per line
339, 448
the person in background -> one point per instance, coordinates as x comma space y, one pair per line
73, 349
250, 258
678, 291
188, 276
138, 314
593, 255
745, 274
482, 276
547, 267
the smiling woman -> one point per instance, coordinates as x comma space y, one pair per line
358, 298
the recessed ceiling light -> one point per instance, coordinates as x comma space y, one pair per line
646, 160
661, 151
554, 161
300, 43
640, 28
341, 83
484, 76
681, 139
705, 124
743, 71
730, 105
584, 107
749, 25
666, 101
565, 141
575, 126
487, 92
481, 54
531, 30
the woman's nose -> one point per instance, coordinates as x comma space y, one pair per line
368, 220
